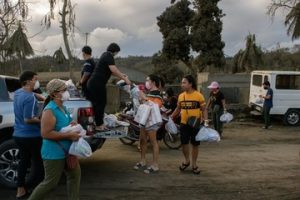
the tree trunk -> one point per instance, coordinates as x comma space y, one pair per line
65, 36
190, 66
20, 65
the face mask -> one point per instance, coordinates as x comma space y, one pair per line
265, 88
147, 85
65, 96
36, 85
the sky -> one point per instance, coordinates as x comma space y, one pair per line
132, 24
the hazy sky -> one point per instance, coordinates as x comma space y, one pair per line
132, 24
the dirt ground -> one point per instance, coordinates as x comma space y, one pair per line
250, 163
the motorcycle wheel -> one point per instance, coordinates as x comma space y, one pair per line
126, 140
172, 141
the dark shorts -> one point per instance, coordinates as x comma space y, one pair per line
188, 135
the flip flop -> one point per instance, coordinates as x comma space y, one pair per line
183, 166
151, 170
139, 165
196, 170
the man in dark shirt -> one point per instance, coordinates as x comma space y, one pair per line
87, 70
268, 104
97, 83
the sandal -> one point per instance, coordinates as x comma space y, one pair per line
139, 165
196, 170
183, 166
151, 170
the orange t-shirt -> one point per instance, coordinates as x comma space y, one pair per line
155, 97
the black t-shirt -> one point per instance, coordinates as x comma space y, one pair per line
102, 72
216, 99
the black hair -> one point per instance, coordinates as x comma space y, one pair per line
155, 79
162, 82
87, 50
113, 47
267, 83
26, 76
191, 80
170, 92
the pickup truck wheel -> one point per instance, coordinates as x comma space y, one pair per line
292, 117
9, 160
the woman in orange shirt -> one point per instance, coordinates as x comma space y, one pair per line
152, 85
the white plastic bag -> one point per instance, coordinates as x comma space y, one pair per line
142, 114
226, 117
123, 86
171, 126
206, 134
135, 92
76, 127
110, 120
80, 148
259, 101
155, 116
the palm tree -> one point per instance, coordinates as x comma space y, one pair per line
250, 58
19, 45
59, 56
292, 20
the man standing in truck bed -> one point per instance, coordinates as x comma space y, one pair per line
87, 70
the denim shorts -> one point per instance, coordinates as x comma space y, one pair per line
154, 127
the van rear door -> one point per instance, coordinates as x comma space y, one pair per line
257, 89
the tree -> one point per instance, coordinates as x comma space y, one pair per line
67, 22
174, 25
18, 44
184, 29
250, 58
59, 56
166, 68
206, 34
10, 13
292, 19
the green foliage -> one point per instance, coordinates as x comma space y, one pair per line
206, 34
198, 29
292, 19
250, 58
166, 69
174, 25
59, 56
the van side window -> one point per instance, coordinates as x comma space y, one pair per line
257, 80
288, 82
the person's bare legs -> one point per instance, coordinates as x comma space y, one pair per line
20, 191
155, 148
143, 145
186, 153
195, 150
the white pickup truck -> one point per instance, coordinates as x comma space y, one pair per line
79, 108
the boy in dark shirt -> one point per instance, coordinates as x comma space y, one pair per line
87, 70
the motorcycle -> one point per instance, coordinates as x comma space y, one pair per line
172, 141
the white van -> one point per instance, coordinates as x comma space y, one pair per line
286, 94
